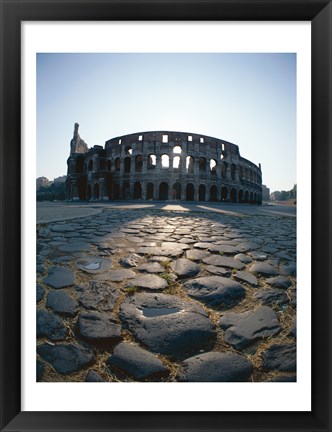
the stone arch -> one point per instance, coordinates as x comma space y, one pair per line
240, 196
177, 149
152, 161
213, 193
233, 195
190, 163
126, 190
163, 191
202, 193
224, 193
127, 164
116, 191
164, 160
149, 191
255, 197
109, 186
177, 163
102, 163
176, 193
246, 196
138, 163
213, 167
202, 164
190, 192
137, 190
251, 197
96, 191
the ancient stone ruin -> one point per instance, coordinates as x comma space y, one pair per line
162, 165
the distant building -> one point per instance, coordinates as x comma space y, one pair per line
265, 193
162, 165
42, 181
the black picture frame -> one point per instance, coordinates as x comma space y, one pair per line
13, 12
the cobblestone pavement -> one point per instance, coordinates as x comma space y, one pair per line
147, 295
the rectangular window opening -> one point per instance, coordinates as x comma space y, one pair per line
201, 140
140, 138
190, 138
165, 138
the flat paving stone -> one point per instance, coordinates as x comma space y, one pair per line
76, 246
62, 303
130, 261
215, 291
93, 376
282, 282
243, 258
117, 275
263, 269
202, 245
59, 277
247, 277
135, 362
66, 358
65, 227
168, 325
39, 292
99, 328
243, 329
197, 255
288, 269
216, 367
150, 282
153, 267
223, 261
185, 268
98, 295
280, 357
94, 265
219, 271
270, 296
224, 249
50, 326
258, 256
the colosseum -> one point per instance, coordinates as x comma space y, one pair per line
162, 165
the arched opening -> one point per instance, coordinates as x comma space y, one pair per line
202, 164
109, 165
117, 164
176, 163
240, 195
255, 198
190, 192
246, 196
213, 167
128, 150
164, 161
82, 187
138, 163
126, 190
127, 164
80, 165
224, 193
190, 165
151, 161
233, 167
102, 164
96, 191
137, 190
163, 191
116, 191
213, 193
90, 165
233, 195
109, 186
224, 170
176, 191
201, 192
89, 192
149, 191
251, 198
177, 149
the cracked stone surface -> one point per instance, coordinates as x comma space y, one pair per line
142, 294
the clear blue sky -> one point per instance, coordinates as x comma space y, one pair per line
247, 99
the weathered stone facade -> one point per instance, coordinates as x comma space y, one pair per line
162, 165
